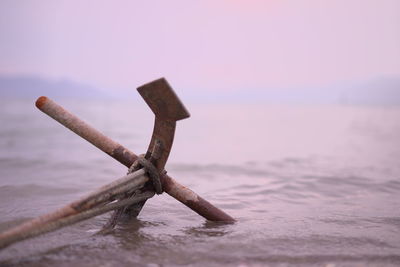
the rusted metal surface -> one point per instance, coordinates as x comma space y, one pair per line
126, 157
168, 109
163, 101
194, 201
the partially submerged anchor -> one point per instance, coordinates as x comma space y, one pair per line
129, 193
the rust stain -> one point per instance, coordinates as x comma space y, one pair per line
163, 101
208, 211
41, 101
123, 155
194, 201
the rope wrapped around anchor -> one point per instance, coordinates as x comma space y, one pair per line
151, 170
155, 176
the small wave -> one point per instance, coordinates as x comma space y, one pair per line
216, 169
8, 192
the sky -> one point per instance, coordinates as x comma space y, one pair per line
205, 45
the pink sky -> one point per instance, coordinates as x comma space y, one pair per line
225, 45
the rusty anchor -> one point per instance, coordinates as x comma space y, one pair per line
167, 109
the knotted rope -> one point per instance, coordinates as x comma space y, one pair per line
155, 177
151, 170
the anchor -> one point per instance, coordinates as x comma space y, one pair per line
145, 178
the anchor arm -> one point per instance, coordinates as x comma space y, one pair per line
168, 109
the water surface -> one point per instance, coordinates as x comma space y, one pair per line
308, 185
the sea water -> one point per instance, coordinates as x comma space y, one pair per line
308, 185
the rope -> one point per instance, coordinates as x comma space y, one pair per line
154, 175
146, 162
151, 170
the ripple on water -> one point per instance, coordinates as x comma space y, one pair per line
311, 193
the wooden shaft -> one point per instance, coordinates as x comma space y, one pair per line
126, 157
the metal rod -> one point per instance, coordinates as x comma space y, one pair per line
45, 227
104, 194
126, 157
124, 185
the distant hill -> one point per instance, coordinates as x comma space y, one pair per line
32, 87
383, 91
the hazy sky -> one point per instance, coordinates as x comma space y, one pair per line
225, 45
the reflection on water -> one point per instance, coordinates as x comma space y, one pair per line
308, 186
209, 229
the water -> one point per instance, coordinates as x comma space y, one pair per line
311, 186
